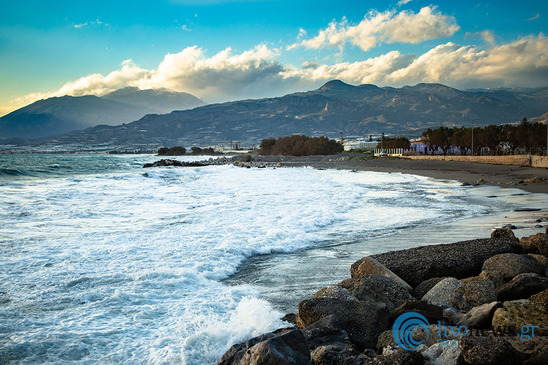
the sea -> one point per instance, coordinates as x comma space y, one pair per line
103, 261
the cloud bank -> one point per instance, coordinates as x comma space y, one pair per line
386, 27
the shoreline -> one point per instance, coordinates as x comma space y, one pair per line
464, 172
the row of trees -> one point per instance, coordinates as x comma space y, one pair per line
300, 146
180, 151
500, 139
390, 143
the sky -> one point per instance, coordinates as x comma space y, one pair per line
223, 50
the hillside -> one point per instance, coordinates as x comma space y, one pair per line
330, 110
59, 115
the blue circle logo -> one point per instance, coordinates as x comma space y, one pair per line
404, 327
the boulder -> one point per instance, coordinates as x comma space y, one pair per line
442, 292
459, 260
518, 313
509, 265
335, 292
540, 258
489, 350
438, 354
332, 355
522, 287
370, 266
425, 286
540, 298
537, 243
473, 293
364, 321
478, 317
533, 347
505, 232
397, 357
326, 332
235, 353
287, 349
380, 288
431, 312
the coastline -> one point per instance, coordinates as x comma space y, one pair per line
261, 271
465, 172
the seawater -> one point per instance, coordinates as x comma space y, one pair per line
102, 261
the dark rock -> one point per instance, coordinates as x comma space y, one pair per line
509, 265
522, 287
287, 349
474, 293
431, 312
540, 298
370, 266
537, 243
478, 317
534, 347
289, 318
235, 353
326, 332
425, 286
332, 355
335, 292
489, 350
397, 357
379, 288
537, 360
442, 292
459, 260
363, 321
505, 232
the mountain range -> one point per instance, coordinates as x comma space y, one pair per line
332, 109
59, 115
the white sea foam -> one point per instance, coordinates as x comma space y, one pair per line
125, 265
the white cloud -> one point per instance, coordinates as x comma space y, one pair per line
487, 35
388, 27
259, 73
403, 2
534, 17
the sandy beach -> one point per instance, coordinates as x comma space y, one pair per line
469, 172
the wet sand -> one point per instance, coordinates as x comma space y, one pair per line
469, 172
284, 279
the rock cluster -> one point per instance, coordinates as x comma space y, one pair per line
485, 301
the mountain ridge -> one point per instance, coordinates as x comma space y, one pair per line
61, 114
330, 110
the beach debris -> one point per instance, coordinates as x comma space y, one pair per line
533, 180
480, 181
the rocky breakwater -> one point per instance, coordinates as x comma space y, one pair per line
239, 161
482, 301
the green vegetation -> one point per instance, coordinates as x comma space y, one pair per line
204, 151
500, 139
397, 142
173, 151
300, 146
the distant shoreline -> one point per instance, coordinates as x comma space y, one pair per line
465, 172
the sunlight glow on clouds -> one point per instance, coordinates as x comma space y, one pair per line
228, 76
386, 27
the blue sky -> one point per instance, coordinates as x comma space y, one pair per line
228, 49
